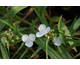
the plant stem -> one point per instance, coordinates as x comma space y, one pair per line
47, 48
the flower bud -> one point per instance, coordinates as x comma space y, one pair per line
12, 41
17, 38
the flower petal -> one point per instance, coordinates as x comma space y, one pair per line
42, 27
56, 39
39, 34
29, 44
32, 37
47, 30
24, 37
59, 40
57, 44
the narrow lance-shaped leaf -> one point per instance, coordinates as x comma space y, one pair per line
39, 48
5, 22
67, 33
4, 51
59, 25
14, 10
24, 53
39, 16
60, 31
75, 26
18, 49
71, 27
61, 38
51, 52
64, 53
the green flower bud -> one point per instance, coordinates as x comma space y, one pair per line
5, 41
17, 38
12, 41
9, 37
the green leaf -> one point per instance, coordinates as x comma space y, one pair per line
18, 31
24, 53
67, 21
13, 11
61, 38
76, 43
4, 51
5, 22
59, 25
39, 48
2, 25
77, 55
3, 10
67, 33
51, 52
7, 43
76, 25
73, 23
39, 16
46, 22
47, 48
32, 26
41, 9
3, 40
23, 28
64, 53
18, 49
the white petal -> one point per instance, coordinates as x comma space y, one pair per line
32, 37
47, 30
29, 44
59, 40
56, 39
42, 26
24, 38
57, 44
39, 34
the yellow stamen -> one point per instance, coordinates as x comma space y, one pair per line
39, 30
26, 38
42, 31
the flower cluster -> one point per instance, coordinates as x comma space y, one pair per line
42, 31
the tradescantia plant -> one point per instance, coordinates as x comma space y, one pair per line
27, 42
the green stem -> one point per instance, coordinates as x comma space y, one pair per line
47, 48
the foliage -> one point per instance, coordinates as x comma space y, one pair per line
12, 28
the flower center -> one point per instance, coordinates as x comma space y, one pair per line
42, 29
57, 41
27, 39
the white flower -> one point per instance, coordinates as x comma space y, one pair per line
57, 41
28, 39
42, 30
